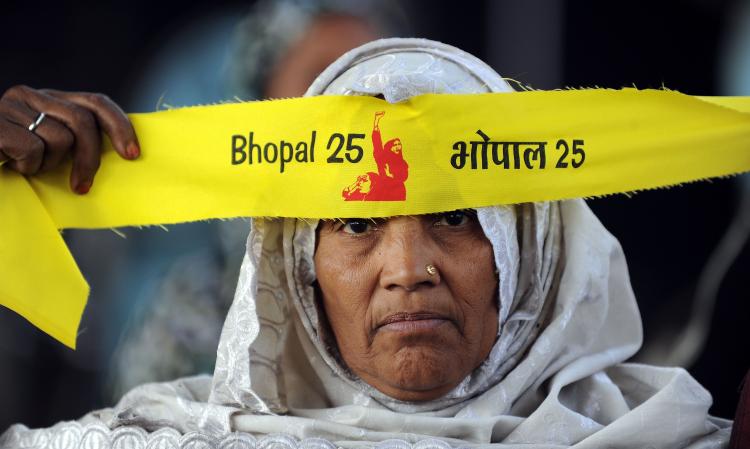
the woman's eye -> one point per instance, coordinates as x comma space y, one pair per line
455, 218
356, 226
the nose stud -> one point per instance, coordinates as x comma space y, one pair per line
431, 270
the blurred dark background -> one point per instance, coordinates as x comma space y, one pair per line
685, 246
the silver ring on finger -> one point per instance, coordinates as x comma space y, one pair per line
35, 124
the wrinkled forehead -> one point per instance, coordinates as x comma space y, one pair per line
399, 69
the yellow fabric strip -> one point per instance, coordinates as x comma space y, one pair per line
40, 279
322, 157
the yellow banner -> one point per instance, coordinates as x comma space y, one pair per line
331, 156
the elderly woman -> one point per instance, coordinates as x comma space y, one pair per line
500, 326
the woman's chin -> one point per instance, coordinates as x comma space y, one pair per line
419, 373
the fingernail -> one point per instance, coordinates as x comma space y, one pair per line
133, 151
83, 188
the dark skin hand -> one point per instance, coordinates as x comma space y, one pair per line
71, 128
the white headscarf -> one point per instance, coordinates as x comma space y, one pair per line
554, 377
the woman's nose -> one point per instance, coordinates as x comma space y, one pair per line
408, 256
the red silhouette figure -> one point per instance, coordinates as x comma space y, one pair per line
388, 183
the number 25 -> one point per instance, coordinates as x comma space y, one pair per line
577, 151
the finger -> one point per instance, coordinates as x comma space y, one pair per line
80, 121
59, 143
22, 149
111, 118
57, 138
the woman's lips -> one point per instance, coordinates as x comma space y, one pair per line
413, 322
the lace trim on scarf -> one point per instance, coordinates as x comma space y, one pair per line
72, 435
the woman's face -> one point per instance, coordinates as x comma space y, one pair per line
411, 334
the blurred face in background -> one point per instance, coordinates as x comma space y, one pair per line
328, 37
